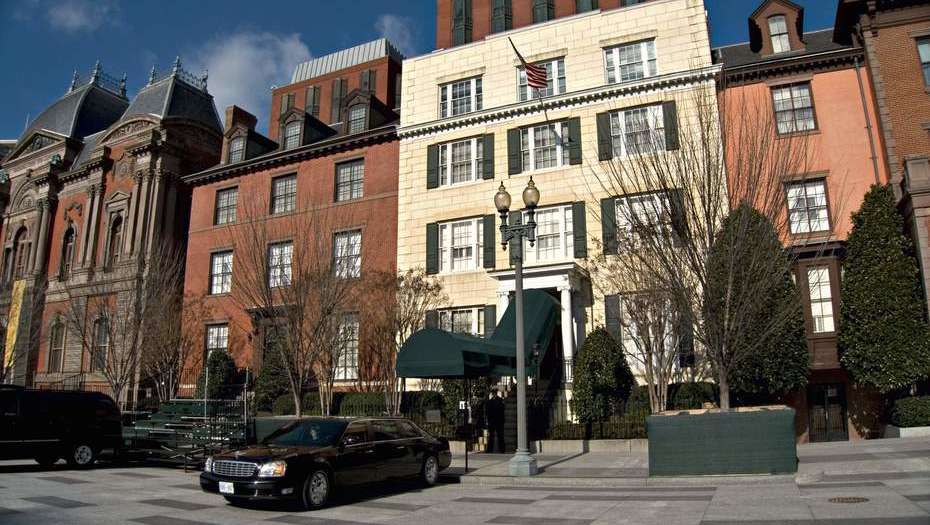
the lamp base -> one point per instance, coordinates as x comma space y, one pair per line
523, 464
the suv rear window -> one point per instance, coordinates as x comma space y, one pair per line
386, 430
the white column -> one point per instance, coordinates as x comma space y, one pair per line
568, 338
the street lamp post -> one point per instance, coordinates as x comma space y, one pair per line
522, 463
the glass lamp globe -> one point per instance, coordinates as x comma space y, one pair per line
531, 194
502, 199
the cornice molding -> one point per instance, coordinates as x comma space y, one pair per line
820, 62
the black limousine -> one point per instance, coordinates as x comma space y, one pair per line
306, 459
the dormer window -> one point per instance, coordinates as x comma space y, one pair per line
292, 135
236, 149
778, 31
357, 115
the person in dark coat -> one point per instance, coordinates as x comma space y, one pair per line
494, 415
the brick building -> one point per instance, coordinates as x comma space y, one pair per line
818, 89
94, 186
896, 38
332, 150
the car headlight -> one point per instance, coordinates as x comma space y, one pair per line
274, 469
208, 464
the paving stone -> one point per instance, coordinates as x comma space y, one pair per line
918, 497
640, 497
64, 479
176, 504
167, 520
653, 489
389, 506
505, 501
140, 475
61, 503
307, 520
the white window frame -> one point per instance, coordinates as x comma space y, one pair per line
655, 206
226, 204
804, 199
217, 338
236, 150
474, 164
447, 319
447, 246
292, 139
285, 201
357, 122
789, 100
622, 129
529, 154
447, 106
350, 180
346, 368
647, 57
565, 235
221, 268
820, 291
347, 254
280, 258
781, 42
556, 84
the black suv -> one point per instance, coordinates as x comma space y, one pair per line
305, 459
46, 426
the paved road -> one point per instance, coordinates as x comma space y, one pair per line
893, 475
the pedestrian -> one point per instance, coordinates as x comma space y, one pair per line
494, 415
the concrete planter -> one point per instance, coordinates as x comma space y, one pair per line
892, 431
756, 440
579, 446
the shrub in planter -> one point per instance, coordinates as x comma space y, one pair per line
222, 375
688, 396
272, 381
361, 404
283, 406
602, 378
911, 412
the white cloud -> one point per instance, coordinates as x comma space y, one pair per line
75, 16
400, 30
244, 66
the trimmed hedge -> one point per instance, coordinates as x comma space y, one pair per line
360, 404
631, 425
911, 412
681, 396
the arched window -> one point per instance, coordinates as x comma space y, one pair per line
98, 358
67, 255
292, 135
21, 250
56, 347
115, 248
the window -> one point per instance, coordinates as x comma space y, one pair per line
543, 11
67, 255
279, 264
336, 98
463, 320
287, 102
21, 249
347, 364
818, 282
357, 118
98, 358
217, 338
582, 6
350, 179
807, 207
638, 130
225, 209
460, 245
778, 30
461, 22
461, 161
236, 149
292, 135
501, 16
923, 49
347, 254
794, 108
554, 239
555, 81
642, 215
284, 194
630, 61
221, 265
56, 347
544, 146
116, 242
460, 97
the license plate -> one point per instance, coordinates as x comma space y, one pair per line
226, 488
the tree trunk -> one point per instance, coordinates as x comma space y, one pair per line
297, 411
724, 390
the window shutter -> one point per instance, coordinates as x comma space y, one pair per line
609, 225
582, 6
489, 241
490, 320
487, 168
432, 248
670, 115
432, 166
432, 318
579, 230
612, 317
542, 11
574, 140
676, 200
605, 147
514, 156
461, 22
515, 246
335, 112
501, 16
363, 80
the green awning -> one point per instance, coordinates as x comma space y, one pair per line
434, 353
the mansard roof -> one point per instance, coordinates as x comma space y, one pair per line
82, 111
174, 97
346, 58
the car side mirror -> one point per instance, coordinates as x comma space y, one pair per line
348, 441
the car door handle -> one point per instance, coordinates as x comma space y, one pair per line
369, 451
401, 447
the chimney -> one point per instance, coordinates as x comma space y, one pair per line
236, 116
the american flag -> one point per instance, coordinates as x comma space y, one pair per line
536, 76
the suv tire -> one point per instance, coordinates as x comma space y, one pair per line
315, 492
429, 472
82, 455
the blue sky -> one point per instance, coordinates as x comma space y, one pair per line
247, 46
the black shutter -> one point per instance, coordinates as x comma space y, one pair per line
312, 105
432, 166
432, 248
487, 168
489, 242
363, 80
612, 317
579, 230
574, 140
490, 320
339, 88
670, 115
609, 225
582, 6
461, 22
432, 319
501, 16
515, 247
543, 11
514, 155
605, 147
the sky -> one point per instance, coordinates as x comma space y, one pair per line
245, 46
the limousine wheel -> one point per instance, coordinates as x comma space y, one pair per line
430, 473
315, 492
82, 455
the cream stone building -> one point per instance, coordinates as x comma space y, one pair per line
468, 124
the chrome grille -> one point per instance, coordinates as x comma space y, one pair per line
234, 469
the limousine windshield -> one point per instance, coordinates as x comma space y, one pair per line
307, 433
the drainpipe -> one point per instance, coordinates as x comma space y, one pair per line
868, 121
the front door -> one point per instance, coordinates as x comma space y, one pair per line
827, 408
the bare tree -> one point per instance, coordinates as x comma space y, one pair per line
171, 341
287, 275
674, 188
403, 301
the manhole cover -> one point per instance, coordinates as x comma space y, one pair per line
848, 499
